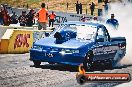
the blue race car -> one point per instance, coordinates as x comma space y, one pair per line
75, 43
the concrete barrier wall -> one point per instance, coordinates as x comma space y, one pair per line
2, 31
4, 28
20, 41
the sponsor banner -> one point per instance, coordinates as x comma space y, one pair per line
60, 18
103, 77
83, 77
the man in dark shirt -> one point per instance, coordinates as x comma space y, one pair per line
14, 18
106, 1
80, 8
92, 7
23, 19
112, 21
30, 18
106, 7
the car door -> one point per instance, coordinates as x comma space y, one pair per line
101, 46
112, 47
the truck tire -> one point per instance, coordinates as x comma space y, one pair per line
88, 61
36, 63
109, 64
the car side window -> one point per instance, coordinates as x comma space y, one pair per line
102, 34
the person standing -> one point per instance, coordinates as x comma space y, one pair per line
1, 17
92, 7
80, 8
77, 7
42, 16
112, 21
23, 19
52, 19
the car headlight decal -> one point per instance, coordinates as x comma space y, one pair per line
68, 51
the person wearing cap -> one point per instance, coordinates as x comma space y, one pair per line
92, 7
106, 8
95, 18
30, 18
42, 16
23, 19
112, 21
77, 7
52, 19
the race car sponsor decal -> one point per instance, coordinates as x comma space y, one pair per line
105, 50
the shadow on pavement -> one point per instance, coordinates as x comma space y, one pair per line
62, 67
59, 67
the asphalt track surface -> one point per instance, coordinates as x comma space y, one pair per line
16, 70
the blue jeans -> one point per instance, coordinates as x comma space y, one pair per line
1, 21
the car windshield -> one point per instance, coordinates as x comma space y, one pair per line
86, 32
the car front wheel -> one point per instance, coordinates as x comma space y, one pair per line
36, 63
88, 61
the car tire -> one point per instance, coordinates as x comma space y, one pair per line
36, 63
88, 61
109, 64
